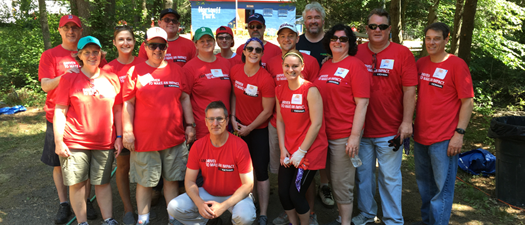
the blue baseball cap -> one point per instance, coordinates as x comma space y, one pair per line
256, 17
87, 40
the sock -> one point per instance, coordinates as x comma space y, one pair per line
171, 217
144, 218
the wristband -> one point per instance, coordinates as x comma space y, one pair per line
119, 136
300, 150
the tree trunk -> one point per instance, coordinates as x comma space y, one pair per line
432, 18
455, 34
467, 29
44, 24
169, 4
404, 4
74, 8
110, 12
395, 21
84, 14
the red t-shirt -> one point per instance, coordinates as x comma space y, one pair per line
233, 60
249, 92
441, 88
339, 83
53, 63
220, 166
121, 70
296, 117
158, 123
179, 51
395, 68
270, 50
89, 119
208, 82
275, 68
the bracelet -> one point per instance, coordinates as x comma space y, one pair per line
301, 150
119, 136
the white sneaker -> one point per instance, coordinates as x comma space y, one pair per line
282, 219
326, 196
362, 220
313, 219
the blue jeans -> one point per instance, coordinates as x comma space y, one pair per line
435, 176
390, 180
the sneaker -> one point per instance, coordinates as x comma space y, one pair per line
263, 220
335, 222
83, 223
91, 213
326, 196
64, 211
142, 223
174, 222
216, 221
129, 219
110, 221
361, 220
281, 219
313, 219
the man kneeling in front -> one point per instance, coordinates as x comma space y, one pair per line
226, 167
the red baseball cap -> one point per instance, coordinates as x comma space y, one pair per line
69, 18
225, 30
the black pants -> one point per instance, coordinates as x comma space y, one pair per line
288, 194
259, 146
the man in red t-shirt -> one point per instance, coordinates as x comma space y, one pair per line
225, 41
256, 27
444, 107
226, 166
180, 50
390, 111
54, 63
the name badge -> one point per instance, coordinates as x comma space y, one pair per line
387, 64
217, 73
440, 73
305, 52
297, 99
341, 72
251, 90
145, 79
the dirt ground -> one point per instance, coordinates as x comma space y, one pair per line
28, 195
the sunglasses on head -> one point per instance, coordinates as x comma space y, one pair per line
258, 26
375, 26
341, 39
257, 49
168, 20
160, 46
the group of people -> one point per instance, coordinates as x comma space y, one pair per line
220, 123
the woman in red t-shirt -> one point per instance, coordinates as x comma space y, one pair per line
86, 103
302, 137
124, 41
344, 83
252, 104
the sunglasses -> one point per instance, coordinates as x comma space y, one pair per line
258, 26
341, 39
257, 49
160, 46
381, 26
222, 38
168, 20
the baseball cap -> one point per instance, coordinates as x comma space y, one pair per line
287, 26
155, 32
225, 30
201, 32
69, 18
168, 11
256, 17
87, 40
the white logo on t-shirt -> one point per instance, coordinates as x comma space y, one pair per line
341, 72
145, 79
387, 64
440, 73
297, 99
217, 73
251, 90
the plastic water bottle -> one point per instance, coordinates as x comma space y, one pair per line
356, 161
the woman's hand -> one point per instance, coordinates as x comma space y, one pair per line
118, 146
62, 150
352, 146
297, 157
190, 134
129, 140
285, 154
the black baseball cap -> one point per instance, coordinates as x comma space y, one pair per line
168, 11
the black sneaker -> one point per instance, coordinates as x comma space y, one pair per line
263, 220
64, 211
91, 213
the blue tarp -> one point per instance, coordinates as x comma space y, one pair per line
12, 110
477, 161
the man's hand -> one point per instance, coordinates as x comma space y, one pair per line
217, 208
352, 146
405, 131
129, 140
454, 146
62, 150
190, 134
206, 211
118, 146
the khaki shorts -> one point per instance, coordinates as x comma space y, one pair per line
95, 165
146, 168
342, 171
275, 151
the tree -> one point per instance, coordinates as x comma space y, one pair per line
44, 24
395, 21
73, 6
84, 13
467, 28
432, 18
169, 4
454, 39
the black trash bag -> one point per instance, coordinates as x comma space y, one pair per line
508, 127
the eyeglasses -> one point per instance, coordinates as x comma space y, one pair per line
257, 49
219, 119
374, 62
381, 26
341, 39
160, 46
258, 26
222, 38
168, 20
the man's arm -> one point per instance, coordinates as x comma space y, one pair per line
454, 146
193, 191
409, 104
49, 84
240, 194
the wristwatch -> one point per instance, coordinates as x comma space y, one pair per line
191, 124
460, 131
